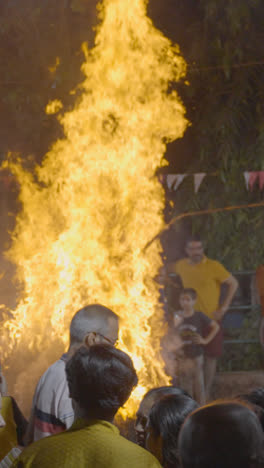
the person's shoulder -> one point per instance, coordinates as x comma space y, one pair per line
140, 456
211, 261
35, 454
180, 263
214, 263
54, 376
217, 269
58, 367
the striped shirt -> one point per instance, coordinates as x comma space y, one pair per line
52, 406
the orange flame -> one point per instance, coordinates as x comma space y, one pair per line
89, 209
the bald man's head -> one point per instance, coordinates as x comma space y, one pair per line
95, 322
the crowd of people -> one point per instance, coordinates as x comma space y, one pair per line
77, 398
72, 421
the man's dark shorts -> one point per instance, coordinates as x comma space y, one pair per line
215, 348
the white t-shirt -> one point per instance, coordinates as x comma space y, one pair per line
52, 406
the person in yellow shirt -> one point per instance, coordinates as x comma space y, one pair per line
101, 379
206, 276
13, 426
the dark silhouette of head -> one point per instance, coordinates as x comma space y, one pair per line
151, 397
256, 401
165, 420
256, 397
101, 379
224, 434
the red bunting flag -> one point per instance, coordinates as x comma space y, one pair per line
252, 179
261, 180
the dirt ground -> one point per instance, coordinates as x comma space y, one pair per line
231, 384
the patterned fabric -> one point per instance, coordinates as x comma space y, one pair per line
52, 407
10, 457
97, 444
206, 278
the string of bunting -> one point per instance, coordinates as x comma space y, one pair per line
191, 214
173, 181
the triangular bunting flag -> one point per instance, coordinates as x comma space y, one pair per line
246, 175
252, 179
171, 179
180, 179
198, 178
175, 180
261, 180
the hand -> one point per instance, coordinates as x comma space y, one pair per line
198, 339
177, 320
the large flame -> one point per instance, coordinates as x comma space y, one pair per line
90, 208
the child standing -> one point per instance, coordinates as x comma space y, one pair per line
195, 330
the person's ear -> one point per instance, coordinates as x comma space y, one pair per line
90, 339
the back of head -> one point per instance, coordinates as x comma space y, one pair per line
100, 380
158, 392
256, 397
224, 434
165, 420
255, 400
92, 318
151, 397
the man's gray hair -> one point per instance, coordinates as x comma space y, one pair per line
92, 318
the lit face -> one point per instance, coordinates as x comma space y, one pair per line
2, 421
154, 443
195, 251
142, 418
187, 303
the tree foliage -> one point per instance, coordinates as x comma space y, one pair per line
222, 41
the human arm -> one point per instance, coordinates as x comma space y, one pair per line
177, 319
232, 285
29, 434
20, 421
214, 329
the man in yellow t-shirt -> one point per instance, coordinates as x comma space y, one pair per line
206, 276
101, 379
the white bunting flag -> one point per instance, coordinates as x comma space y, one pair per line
198, 178
175, 180
247, 176
180, 179
171, 179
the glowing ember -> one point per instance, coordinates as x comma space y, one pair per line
93, 204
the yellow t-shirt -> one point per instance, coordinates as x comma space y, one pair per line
8, 434
97, 444
206, 278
